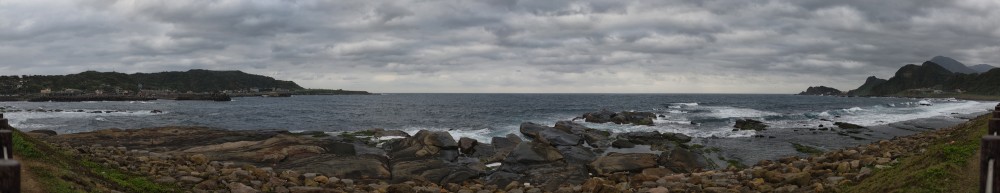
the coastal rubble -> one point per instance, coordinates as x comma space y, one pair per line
214, 160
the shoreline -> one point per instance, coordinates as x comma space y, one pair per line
765, 175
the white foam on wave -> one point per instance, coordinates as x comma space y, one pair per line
686, 129
481, 135
734, 112
676, 111
667, 120
879, 116
681, 105
20, 119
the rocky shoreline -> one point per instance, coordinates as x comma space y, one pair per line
566, 157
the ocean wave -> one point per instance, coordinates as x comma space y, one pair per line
22, 119
481, 135
892, 115
734, 112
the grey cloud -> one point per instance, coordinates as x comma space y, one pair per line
504, 45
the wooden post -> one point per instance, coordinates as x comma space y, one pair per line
988, 179
4, 125
6, 144
994, 128
10, 176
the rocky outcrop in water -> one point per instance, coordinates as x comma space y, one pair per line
624, 117
749, 124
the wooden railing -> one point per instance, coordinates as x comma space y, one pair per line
10, 169
988, 181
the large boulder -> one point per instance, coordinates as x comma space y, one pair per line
594, 137
622, 162
602, 116
677, 137
440, 139
533, 153
355, 167
749, 124
550, 135
432, 170
579, 155
551, 178
683, 161
501, 146
422, 145
571, 127
656, 140
467, 145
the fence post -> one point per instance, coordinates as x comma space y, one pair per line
4, 124
6, 144
10, 176
994, 128
988, 164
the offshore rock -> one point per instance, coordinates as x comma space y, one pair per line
749, 124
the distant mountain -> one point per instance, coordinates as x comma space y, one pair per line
927, 75
952, 65
821, 90
192, 80
982, 67
866, 89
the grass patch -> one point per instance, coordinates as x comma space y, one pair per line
25, 148
950, 164
958, 154
52, 183
806, 149
59, 171
131, 182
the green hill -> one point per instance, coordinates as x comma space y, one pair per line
931, 80
866, 88
928, 75
191, 80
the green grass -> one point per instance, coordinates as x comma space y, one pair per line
25, 148
131, 182
58, 171
950, 164
52, 183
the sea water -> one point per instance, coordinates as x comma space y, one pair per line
483, 116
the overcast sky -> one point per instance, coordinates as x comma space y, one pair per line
616, 46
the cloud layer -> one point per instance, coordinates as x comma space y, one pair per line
674, 46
